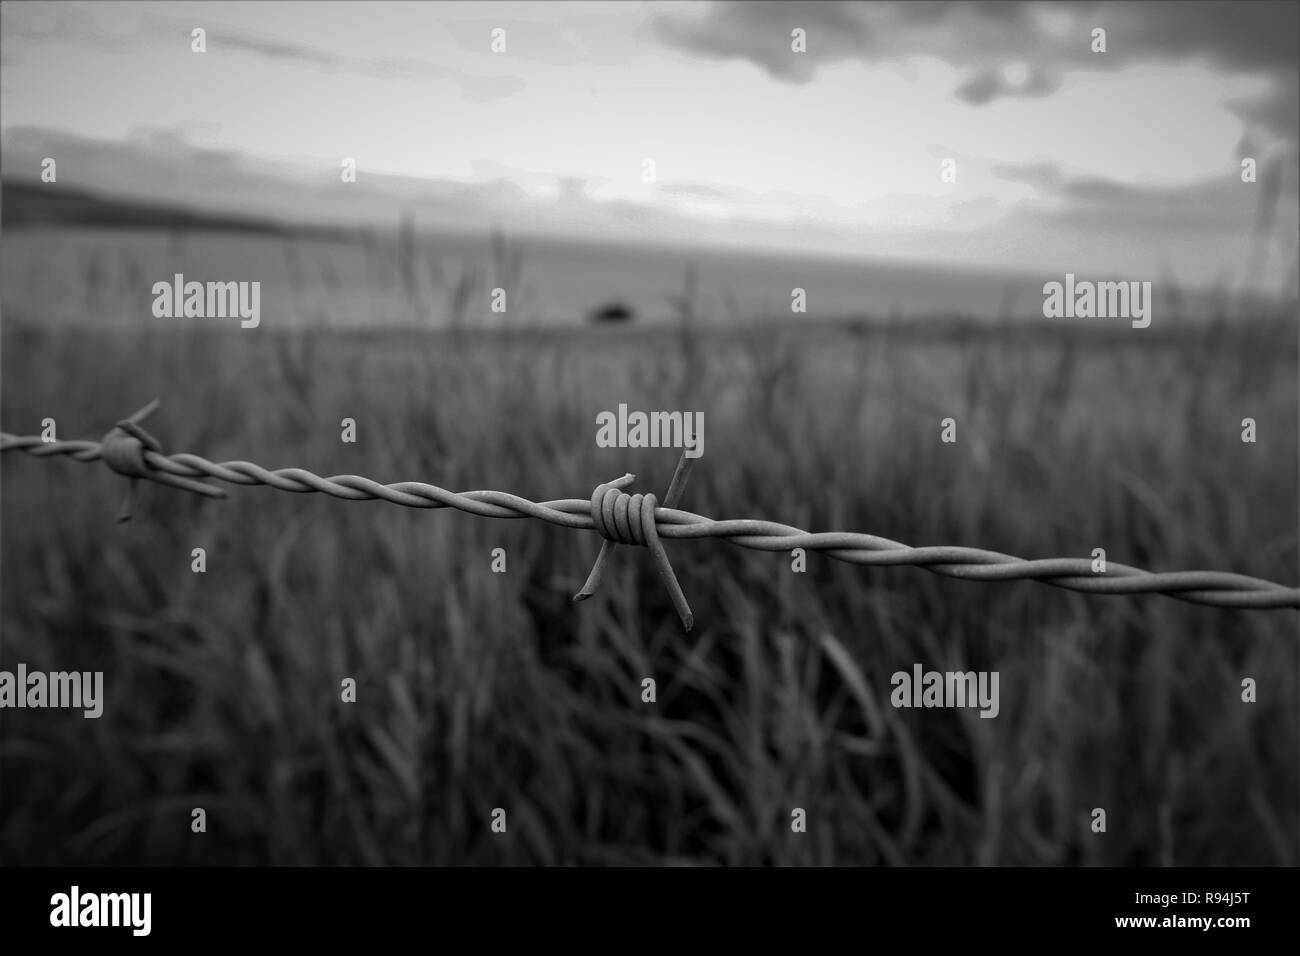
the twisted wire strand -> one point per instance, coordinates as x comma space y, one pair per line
1217, 588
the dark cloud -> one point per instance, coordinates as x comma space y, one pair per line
275, 49
1048, 40
761, 32
1235, 35
984, 86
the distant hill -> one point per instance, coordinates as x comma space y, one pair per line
25, 204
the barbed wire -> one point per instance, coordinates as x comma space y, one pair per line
621, 518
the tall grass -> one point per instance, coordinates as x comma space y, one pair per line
481, 690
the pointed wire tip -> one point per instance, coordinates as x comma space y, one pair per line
143, 413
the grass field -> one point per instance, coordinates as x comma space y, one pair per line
479, 690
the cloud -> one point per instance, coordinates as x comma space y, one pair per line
984, 86
689, 190
536, 180
22, 27
1219, 206
273, 49
1094, 226
1007, 49
57, 23
476, 87
1276, 111
548, 33
161, 165
761, 33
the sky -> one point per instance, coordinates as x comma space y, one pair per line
1064, 157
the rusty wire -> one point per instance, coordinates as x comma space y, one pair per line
637, 520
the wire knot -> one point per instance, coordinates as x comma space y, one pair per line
124, 450
621, 518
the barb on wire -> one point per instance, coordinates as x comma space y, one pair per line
630, 519
123, 450
621, 518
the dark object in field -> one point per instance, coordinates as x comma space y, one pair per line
613, 312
